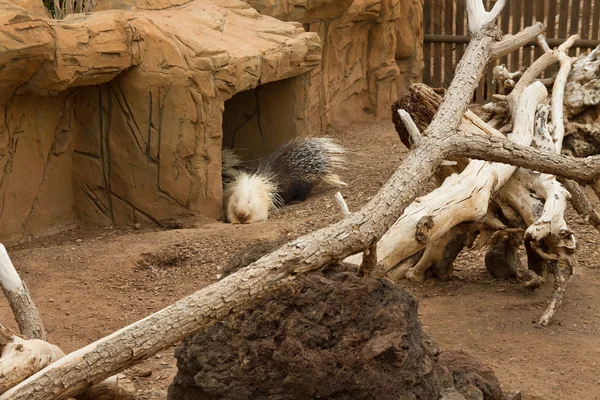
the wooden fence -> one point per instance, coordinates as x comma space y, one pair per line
445, 29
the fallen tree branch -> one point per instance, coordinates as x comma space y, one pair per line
411, 127
562, 269
558, 94
461, 198
509, 43
342, 204
551, 228
21, 358
370, 254
26, 313
584, 170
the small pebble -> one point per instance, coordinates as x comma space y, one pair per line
78, 240
137, 225
144, 373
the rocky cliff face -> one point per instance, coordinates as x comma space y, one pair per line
118, 116
372, 51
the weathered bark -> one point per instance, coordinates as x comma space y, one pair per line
547, 232
551, 228
26, 313
509, 43
461, 198
22, 358
582, 170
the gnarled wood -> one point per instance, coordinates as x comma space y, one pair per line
21, 358
461, 198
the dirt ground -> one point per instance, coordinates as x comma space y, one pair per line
91, 281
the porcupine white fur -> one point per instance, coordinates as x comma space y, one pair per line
287, 174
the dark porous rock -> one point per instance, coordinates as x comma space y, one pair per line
474, 380
329, 334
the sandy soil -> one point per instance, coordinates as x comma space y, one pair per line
91, 281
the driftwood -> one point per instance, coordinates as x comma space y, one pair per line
548, 238
439, 142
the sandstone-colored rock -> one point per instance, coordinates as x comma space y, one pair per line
34, 7
118, 116
139, 141
409, 44
372, 51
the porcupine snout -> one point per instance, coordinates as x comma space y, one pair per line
242, 213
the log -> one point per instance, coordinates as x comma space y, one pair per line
26, 313
583, 170
551, 228
509, 43
461, 198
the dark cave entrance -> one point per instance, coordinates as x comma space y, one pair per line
257, 121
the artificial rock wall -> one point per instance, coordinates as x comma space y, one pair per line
119, 116
115, 117
372, 52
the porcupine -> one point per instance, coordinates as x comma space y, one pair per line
288, 174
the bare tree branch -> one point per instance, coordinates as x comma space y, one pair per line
26, 313
583, 170
509, 42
